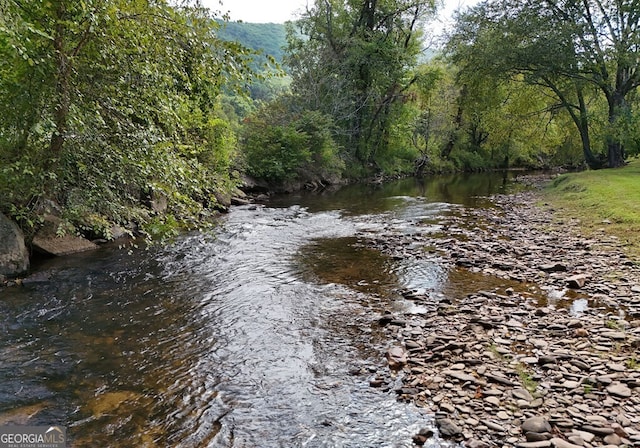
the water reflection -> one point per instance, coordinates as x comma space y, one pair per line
470, 190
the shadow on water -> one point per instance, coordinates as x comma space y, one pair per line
258, 335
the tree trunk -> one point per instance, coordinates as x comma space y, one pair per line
63, 70
582, 123
615, 148
453, 135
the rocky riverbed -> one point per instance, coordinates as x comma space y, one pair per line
552, 360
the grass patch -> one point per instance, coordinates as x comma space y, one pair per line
613, 325
526, 378
604, 199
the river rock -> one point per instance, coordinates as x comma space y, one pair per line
522, 394
14, 257
537, 436
538, 444
397, 357
619, 390
577, 361
553, 267
536, 424
448, 429
577, 281
559, 443
46, 240
460, 376
423, 435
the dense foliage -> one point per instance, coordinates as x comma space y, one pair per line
359, 62
578, 52
352, 60
107, 104
111, 107
284, 146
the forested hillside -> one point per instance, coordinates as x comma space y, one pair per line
268, 38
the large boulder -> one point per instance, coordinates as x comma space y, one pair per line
14, 257
48, 242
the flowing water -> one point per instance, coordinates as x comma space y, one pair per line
261, 333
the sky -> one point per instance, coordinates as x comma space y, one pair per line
279, 11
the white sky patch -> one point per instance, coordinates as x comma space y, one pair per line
265, 11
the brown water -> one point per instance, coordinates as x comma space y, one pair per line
261, 334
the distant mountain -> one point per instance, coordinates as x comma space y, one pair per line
270, 38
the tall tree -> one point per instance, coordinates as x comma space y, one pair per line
351, 59
103, 101
568, 46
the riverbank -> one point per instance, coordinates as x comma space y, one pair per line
548, 359
604, 198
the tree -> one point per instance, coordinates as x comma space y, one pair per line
351, 59
104, 102
569, 47
282, 145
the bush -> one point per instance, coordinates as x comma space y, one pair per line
282, 146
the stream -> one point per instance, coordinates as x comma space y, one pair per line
261, 333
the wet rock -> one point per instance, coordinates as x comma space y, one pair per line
423, 435
22, 415
448, 429
109, 401
396, 357
14, 257
48, 242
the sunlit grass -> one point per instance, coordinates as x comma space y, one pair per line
606, 200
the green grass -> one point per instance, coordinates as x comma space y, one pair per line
603, 199
526, 377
